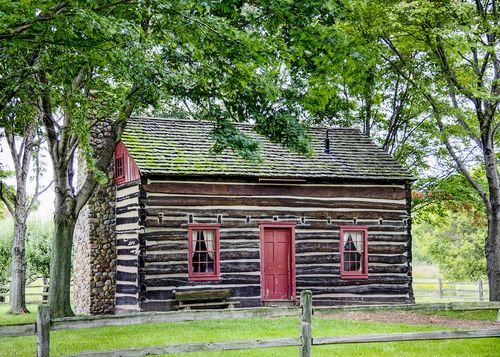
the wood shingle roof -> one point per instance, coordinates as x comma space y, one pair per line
162, 146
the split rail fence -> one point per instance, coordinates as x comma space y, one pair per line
458, 290
37, 291
305, 342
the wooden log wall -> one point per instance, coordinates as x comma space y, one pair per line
127, 246
318, 209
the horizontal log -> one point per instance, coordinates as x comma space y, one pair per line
337, 281
302, 229
182, 235
304, 235
126, 185
123, 243
140, 318
327, 247
128, 262
239, 254
127, 220
166, 257
361, 289
127, 251
360, 300
392, 259
184, 281
330, 202
127, 288
373, 237
228, 244
164, 235
158, 268
387, 269
198, 347
276, 190
386, 223
131, 207
384, 228
239, 267
125, 276
126, 197
124, 300
407, 336
386, 249
318, 269
17, 330
318, 259
167, 245
266, 214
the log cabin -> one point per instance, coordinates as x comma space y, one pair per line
336, 223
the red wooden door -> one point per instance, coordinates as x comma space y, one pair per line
276, 264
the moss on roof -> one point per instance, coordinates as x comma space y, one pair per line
162, 146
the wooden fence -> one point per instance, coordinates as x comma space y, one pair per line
36, 293
459, 290
305, 342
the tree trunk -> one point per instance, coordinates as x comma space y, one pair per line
492, 248
60, 265
18, 265
492, 203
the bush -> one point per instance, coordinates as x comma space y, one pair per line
455, 242
38, 248
5, 253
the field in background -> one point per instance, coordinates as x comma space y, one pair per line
425, 271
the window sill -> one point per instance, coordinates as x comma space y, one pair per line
354, 276
204, 278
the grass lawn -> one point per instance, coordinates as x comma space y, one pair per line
105, 338
9, 319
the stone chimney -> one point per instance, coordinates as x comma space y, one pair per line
94, 265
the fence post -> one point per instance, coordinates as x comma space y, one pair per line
498, 317
45, 291
42, 331
306, 323
480, 290
440, 287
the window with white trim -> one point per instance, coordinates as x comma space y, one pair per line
203, 252
353, 252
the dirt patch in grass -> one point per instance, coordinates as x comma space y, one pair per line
412, 318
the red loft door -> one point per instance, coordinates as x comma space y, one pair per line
276, 264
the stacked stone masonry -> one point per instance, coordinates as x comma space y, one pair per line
95, 242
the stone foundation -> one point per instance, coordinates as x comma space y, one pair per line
94, 276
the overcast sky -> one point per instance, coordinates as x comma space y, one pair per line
46, 207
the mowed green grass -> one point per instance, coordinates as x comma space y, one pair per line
106, 338
10, 319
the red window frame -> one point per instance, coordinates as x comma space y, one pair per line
120, 169
216, 252
347, 274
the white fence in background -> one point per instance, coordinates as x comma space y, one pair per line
457, 290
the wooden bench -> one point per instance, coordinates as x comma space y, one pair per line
204, 299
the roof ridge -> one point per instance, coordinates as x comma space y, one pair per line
197, 121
